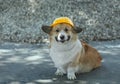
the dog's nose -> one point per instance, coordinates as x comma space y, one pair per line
62, 37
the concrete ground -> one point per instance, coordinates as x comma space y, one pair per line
31, 64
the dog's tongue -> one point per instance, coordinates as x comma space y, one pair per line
62, 41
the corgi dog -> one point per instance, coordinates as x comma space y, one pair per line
69, 54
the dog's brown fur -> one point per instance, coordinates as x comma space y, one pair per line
88, 59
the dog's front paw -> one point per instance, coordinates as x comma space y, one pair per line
71, 76
58, 72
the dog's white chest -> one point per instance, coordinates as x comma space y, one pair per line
63, 54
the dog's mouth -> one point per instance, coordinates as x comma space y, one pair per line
62, 40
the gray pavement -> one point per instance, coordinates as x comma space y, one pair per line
31, 64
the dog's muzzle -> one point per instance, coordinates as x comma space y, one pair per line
62, 38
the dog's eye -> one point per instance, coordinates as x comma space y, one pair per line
57, 30
66, 29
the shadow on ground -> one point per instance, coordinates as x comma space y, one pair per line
31, 64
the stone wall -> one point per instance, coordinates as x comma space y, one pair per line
21, 20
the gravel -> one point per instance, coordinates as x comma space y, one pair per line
21, 20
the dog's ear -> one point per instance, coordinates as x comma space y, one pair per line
77, 29
46, 29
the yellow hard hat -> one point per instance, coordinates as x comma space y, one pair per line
62, 20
